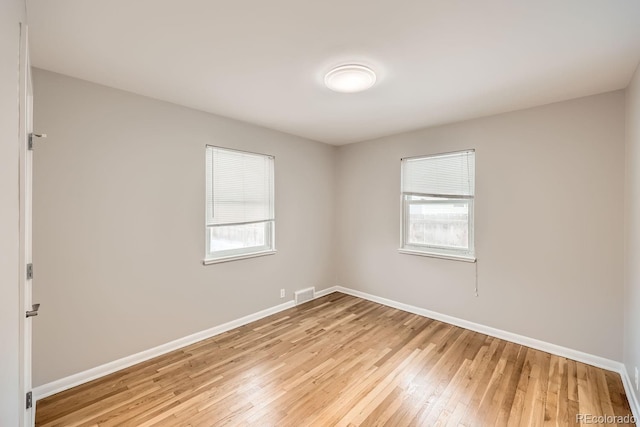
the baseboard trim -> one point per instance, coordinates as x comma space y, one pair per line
74, 380
569, 353
325, 291
590, 359
631, 395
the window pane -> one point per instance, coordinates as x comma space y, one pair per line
440, 222
229, 237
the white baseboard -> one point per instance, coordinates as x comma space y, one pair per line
108, 368
74, 380
569, 353
631, 395
325, 291
590, 359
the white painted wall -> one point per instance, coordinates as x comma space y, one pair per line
549, 223
119, 224
12, 12
632, 231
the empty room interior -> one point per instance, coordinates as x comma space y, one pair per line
336, 213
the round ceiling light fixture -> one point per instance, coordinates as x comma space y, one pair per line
350, 78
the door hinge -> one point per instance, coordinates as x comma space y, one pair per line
29, 400
34, 135
29, 271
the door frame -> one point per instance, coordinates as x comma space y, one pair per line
27, 415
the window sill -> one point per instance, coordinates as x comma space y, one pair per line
237, 257
463, 258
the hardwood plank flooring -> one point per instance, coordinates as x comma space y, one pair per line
344, 361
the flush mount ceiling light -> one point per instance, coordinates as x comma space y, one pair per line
350, 78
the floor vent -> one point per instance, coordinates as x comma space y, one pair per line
304, 295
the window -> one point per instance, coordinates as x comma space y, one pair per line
240, 219
437, 205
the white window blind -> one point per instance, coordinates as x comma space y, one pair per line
240, 189
441, 175
240, 220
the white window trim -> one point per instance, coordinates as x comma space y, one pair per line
438, 255
433, 251
238, 257
242, 253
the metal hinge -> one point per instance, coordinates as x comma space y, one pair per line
34, 135
29, 271
29, 400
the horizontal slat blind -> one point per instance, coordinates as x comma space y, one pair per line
447, 174
239, 187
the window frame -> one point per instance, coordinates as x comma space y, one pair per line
225, 255
433, 250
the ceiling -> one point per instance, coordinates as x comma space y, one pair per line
263, 61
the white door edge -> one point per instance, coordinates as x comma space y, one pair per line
27, 418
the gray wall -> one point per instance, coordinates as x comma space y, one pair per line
119, 213
549, 223
12, 12
632, 231
119, 224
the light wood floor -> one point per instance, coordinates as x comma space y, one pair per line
341, 360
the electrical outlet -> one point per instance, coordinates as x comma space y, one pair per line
636, 378
282, 296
